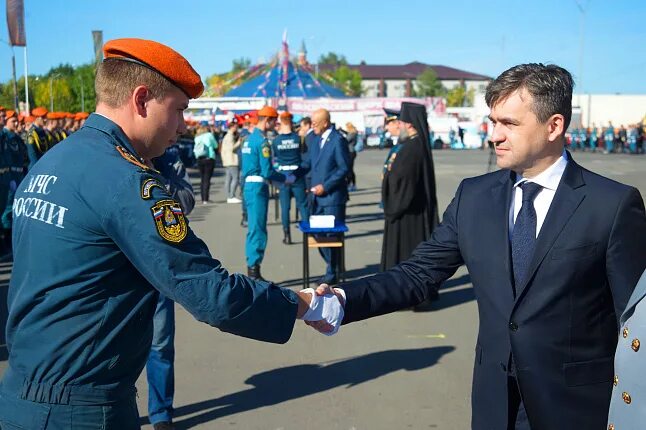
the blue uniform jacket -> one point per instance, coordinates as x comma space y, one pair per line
329, 166
256, 158
287, 150
96, 236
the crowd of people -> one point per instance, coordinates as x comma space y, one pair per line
554, 251
610, 139
23, 141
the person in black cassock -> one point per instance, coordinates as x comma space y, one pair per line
408, 189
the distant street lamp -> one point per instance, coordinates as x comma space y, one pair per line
13, 69
582, 10
51, 91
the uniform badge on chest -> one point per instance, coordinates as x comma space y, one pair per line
170, 220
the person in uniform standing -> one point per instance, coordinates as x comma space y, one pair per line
79, 328
160, 367
408, 190
256, 172
287, 156
14, 154
627, 409
38, 143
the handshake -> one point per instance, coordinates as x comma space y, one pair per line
325, 312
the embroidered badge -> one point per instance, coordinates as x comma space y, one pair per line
266, 152
169, 220
147, 187
131, 158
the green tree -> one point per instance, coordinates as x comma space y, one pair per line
428, 85
458, 96
241, 63
349, 80
334, 59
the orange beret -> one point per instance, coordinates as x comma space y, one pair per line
158, 57
286, 115
10, 113
29, 119
2, 108
268, 112
39, 112
81, 115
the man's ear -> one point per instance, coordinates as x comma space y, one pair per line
139, 99
555, 127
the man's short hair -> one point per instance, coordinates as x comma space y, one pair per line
549, 85
306, 121
116, 80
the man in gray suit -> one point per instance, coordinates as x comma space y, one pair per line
627, 410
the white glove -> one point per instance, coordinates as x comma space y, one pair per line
327, 308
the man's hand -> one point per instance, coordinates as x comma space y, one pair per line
318, 190
324, 312
290, 179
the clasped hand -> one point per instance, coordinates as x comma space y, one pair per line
325, 312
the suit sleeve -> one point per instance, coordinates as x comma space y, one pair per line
412, 281
342, 159
626, 253
164, 249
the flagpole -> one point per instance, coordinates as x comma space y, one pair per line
26, 84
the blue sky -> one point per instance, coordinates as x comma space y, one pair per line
479, 36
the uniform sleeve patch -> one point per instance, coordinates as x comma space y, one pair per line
147, 188
266, 152
169, 220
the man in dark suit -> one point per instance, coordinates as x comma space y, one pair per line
554, 252
328, 161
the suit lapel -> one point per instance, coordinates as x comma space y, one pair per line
500, 203
327, 144
568, 197
638, 294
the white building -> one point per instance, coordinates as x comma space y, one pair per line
398, 80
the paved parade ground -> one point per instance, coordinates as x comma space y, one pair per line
400, 371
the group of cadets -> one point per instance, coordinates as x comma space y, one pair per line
608, 139
23, 141
268, 155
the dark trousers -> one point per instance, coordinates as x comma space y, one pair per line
330, 255
206, 166
517, 416
285, 197
352, 178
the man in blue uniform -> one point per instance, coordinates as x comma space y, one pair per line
287, 157
38, 142
256, 172
80, 326
160, 367
13, 155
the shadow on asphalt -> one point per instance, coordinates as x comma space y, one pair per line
349, 275
287, 383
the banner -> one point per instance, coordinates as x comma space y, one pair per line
16, 22
97, 36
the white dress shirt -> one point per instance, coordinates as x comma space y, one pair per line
549, 179
324, 136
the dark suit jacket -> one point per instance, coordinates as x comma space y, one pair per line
328, 166
562, 325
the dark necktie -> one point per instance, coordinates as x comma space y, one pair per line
523, 239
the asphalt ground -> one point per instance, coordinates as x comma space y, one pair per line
406, 370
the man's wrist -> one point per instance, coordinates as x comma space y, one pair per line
304, 300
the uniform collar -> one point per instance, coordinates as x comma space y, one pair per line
104, 124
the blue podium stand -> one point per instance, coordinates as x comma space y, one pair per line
333, 237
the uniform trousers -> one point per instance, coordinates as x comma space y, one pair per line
19, 414
297, 189
256, 197
160, 368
